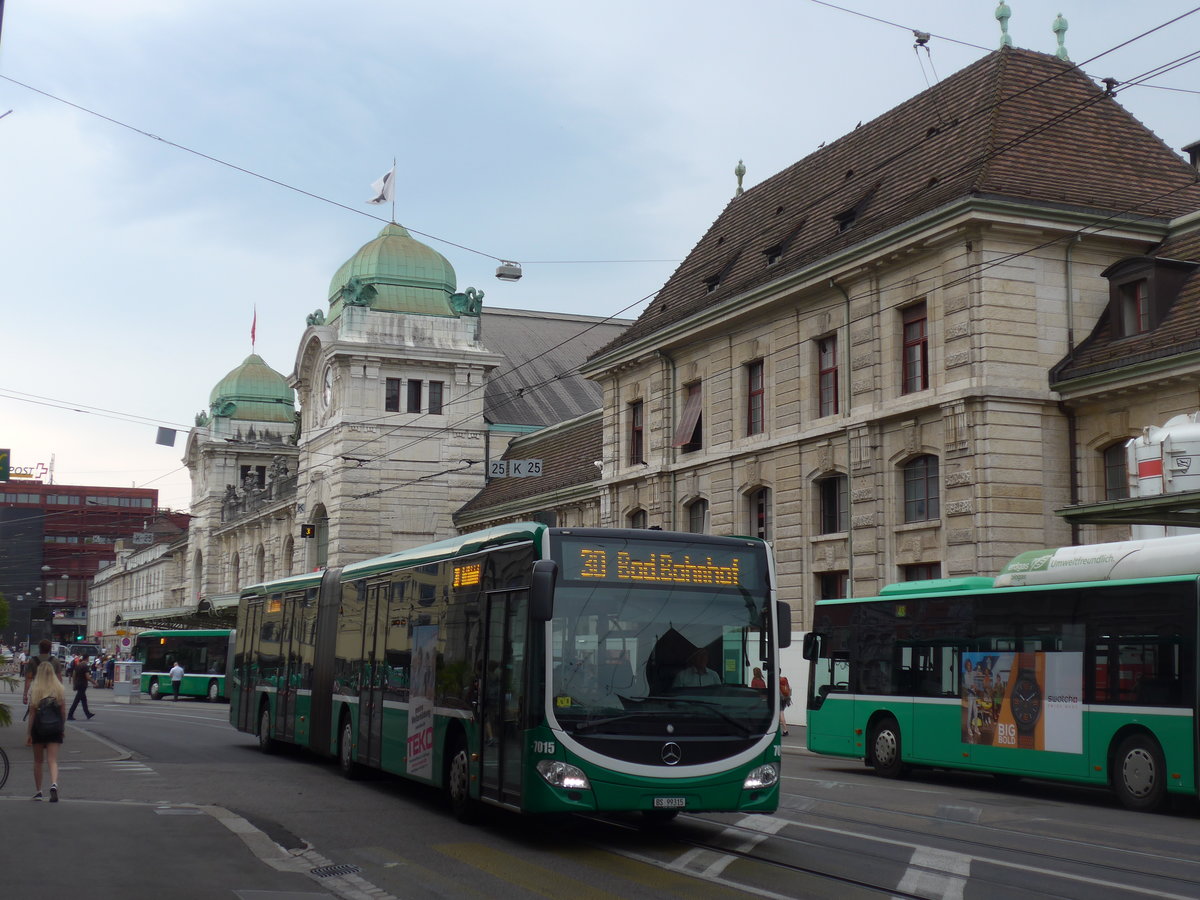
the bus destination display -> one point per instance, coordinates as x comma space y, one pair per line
630, 563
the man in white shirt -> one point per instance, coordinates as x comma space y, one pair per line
176, 679
697, 673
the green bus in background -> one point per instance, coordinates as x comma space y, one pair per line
203, 652
533, 668
1077, 664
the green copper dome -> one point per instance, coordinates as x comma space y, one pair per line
394, 273
254, 392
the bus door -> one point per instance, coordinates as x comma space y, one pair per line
503, 695
374, 677
245, 695
285, 691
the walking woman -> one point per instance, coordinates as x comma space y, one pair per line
46, 724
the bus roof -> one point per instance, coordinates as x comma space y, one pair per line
185, 632
461, 545
1121, 560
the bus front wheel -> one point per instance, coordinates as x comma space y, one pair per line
214, 691
884, 748
458, 784
1139, 773
154, 691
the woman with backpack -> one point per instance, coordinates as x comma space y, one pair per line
47, 721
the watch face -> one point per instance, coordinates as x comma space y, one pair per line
1026, 701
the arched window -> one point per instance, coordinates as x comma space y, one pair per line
260, 564
698, 516
235, 574
637, 518
758, 511
285, 563
922, 498
1116, 472
833, 504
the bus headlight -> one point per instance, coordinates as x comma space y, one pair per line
762, 777
563, 775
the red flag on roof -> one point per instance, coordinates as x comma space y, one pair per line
253, 328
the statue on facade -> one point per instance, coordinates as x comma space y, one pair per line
279, 468
467, 303
231, 494
202, 419
316, 317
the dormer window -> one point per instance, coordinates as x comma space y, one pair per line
711, 283
1141, 292
773, 254
1135, 308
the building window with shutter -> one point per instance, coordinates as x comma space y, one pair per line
436, 389
827, 376
833, 503
414, 395
759, 508
689, 435
1135, 308
637, 448
915, 369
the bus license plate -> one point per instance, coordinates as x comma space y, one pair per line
669, 802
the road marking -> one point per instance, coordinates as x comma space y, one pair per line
946, 881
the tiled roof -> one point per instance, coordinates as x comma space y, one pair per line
1016, 124
568, 454
1178, 332
540, 382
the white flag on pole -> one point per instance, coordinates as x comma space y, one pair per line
383, 188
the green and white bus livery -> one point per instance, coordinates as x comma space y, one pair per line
1077, 664
533, 668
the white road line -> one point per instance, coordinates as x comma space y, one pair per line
947, 881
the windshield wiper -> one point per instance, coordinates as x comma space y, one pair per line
707, 704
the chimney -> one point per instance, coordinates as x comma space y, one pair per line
1193, 152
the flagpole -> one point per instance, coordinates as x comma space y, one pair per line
393, 190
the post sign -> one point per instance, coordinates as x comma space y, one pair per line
514, 468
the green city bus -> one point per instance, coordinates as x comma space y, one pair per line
203, 653
1077, 664
532, 668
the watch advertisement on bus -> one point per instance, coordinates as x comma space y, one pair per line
1028, 701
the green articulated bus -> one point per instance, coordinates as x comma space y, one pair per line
1077, 664
533, 668
204, 654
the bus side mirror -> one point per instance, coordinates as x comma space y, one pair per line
783, 617
812, 646
541, 600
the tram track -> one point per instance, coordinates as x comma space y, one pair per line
985, 841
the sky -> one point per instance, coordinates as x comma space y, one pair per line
172, 169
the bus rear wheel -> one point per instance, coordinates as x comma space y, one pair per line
214, 691
154, 691
265, 742
884, 748
1139, 773
346, 762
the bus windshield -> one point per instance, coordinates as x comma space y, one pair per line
640, 633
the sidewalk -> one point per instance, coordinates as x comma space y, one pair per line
137, 850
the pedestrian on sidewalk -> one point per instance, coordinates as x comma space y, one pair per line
45, 730
785, 700
32, 664
176, 679
81, 678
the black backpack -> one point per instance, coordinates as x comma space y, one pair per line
49, 716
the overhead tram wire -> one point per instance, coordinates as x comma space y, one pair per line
969, 270
984, 110
310, 194
53, 403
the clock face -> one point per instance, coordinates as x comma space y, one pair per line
1026, 701
327, 386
